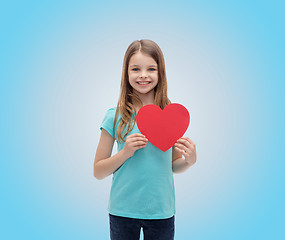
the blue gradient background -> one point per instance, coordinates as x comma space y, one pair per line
60, 70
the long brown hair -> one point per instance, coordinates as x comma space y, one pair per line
127, 97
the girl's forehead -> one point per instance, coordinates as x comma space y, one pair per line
142, 59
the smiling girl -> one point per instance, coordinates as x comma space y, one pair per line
142, 193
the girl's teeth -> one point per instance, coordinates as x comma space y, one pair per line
143, 83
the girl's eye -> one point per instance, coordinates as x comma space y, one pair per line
153, 69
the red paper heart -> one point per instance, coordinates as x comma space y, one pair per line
163, 127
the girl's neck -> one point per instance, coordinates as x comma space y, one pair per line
144, 103
145, 99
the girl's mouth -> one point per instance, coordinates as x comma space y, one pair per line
144, 83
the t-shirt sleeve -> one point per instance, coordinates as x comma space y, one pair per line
108, 121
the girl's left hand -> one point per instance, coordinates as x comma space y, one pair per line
187, 147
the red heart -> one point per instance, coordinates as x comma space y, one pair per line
163, 127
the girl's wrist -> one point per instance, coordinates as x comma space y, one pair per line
124, 153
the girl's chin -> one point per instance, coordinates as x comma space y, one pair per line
143, 91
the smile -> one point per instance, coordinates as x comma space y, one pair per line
143, 83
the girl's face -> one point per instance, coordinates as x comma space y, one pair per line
143, 69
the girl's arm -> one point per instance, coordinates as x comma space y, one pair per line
183, 147
179, 165
104, 164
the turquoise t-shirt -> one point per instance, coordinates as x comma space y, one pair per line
143, 187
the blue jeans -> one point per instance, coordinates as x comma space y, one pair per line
124, 228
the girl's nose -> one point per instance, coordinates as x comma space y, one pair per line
143, 74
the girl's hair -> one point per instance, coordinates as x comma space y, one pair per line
127, 97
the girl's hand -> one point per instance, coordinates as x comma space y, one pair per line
134, 142
187, 147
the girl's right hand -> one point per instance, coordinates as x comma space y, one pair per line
134, 142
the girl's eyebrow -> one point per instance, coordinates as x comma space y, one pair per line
139, 65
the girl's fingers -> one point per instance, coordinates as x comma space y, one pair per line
183, 142
135, 139
186, 142
178, 149
184, 149
180, 146
188, 139
137, 135
138, 143
142, 146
